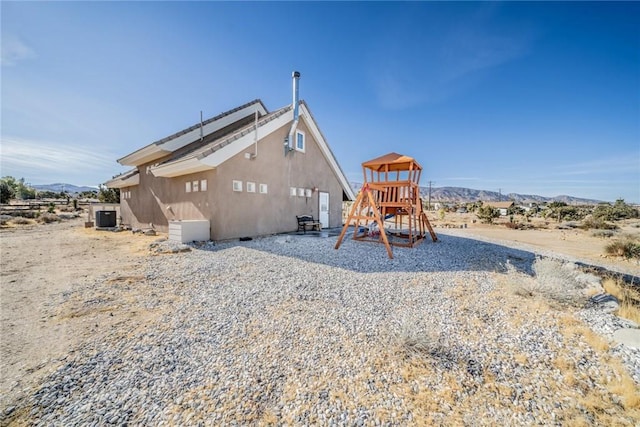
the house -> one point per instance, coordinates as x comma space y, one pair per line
248, 171
503, 207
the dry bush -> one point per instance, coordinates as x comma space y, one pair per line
557, 281
416, 339
603, 233
66, 208
598, 223
19, 220
553, 281
47, 218
628, 298
627, 248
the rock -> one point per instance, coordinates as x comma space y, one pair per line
628, 337
605, 302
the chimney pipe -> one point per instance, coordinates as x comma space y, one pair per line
290, 143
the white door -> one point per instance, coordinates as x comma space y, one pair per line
323, 199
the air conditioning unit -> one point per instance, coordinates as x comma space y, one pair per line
105, 219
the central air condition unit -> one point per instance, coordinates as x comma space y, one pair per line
105, 219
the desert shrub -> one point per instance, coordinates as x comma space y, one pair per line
416, 338
623, 248
108, 195
603, 233
47, 218
598, 223
67, 208
554, 281
487, 214
629, 298
619, 210
6, 192
20, 220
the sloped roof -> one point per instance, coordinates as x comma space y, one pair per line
498, 205
125, 179
213, 153
181, 139
394, 162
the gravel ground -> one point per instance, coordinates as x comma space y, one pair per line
286, 330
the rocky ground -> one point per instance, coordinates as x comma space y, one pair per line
287, 330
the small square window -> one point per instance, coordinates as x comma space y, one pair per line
307, 192
203, 185
293, 191
251, 187
187, 187
300, 141
195, 186
300, 192
263, 188
237, 185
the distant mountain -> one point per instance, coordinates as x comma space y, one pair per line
59, 187
464, 195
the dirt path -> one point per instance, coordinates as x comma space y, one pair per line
46, 271
574, 243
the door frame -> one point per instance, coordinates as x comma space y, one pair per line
326, 223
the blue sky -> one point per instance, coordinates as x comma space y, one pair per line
533, 98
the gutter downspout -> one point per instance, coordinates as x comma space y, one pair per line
289, 143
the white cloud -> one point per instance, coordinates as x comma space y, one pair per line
607, 165
14, 51
50, 161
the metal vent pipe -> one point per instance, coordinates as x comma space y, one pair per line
290, 143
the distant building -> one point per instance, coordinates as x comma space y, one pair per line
503, 207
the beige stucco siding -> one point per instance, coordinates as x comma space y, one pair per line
234, 214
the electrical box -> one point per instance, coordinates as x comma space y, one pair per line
106, 219
189, 231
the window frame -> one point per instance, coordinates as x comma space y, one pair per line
300, 133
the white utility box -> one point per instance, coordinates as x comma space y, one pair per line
189, 230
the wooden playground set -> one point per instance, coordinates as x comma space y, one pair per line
391, 194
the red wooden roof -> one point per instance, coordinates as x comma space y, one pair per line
394, 161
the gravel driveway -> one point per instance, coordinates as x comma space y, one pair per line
285, 330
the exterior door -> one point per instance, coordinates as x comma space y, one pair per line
323, 200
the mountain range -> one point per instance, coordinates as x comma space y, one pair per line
466, 195
67, 188
438, 194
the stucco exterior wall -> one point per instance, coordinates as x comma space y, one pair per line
234, 214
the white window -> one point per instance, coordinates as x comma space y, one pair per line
203, 185
307, 192
195, 186
300, 192
300, 141
251, 187
293, 191
263, 188
237, 185
187, 187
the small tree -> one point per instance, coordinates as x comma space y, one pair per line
6, 192
108, 195
619, 210
487, 214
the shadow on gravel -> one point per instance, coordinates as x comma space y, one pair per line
449, 253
